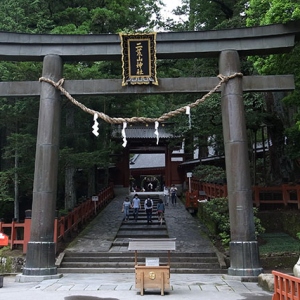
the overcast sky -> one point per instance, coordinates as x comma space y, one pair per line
170, 5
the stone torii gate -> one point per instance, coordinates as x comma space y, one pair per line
228, 45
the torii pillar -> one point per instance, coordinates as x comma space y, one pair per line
244, 252
40, 257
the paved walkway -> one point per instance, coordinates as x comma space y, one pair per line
121, 287
100, 233
99, 236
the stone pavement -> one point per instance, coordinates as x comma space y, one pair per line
99, 236
120, 286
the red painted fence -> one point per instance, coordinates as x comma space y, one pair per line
284, 194
286, 287
19, 233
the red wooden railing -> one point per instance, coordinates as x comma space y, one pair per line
284, 194
286, 287
19, 233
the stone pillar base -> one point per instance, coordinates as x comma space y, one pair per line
244, 259
40, 259
27, 278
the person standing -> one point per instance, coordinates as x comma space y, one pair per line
166, 195
173, 192
136, 205
125, 209
160, 211
148, 205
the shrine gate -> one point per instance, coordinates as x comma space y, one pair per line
228, 45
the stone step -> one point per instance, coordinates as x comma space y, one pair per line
162, 235
94, 270
142, 213
143, 229
132, 270
125, 264
141, 219
107, 262
149, 253
143, 226
175, 261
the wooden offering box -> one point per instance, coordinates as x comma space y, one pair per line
152, 274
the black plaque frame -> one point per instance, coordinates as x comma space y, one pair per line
139, 58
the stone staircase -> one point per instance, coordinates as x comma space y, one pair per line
140, 228
123, 262
120, 260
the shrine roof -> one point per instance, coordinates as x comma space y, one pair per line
142, 132
146, 161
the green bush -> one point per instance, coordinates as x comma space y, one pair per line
217, 211
209, 173
5, 262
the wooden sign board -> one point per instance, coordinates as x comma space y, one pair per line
152, 261
95, 198
138, 58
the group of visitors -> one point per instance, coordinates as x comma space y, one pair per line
136, 205
170, 192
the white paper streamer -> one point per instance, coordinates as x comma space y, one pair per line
124, 134
156, 132
188, 112
95, 126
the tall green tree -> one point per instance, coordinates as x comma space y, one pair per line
79, 148
282, 107
272, 120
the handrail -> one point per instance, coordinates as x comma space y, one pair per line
19, 233
285, 286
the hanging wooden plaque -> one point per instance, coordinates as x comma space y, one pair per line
138, 58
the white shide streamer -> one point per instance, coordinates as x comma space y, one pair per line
124, 134
156, 132
95, 126
188, 112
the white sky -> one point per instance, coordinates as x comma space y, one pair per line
170, 5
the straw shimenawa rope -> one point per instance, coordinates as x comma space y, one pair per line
59, 85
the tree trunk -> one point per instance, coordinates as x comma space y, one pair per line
16, 188
92, 181
280, 166
192, 15
70, 194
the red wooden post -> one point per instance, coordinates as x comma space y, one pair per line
27, 226
285, 194
69, 217
62, 229
76, 216
12, 234
256, 195
298, 195
55, 235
